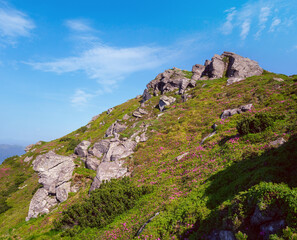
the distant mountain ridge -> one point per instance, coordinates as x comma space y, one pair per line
7, 150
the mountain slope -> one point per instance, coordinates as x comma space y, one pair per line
240, 180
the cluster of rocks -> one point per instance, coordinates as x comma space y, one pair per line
115, 129
168, 81
228, 65
230, 112
55, 173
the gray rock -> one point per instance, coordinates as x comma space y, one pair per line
278, 142
107, 171
62, 191
119, 149
92, 163
170, 80
230, 112
126, 117
139, 113
271, 228
165, 101
53, 169
259, 217
28, 159
54, 172
178, 158
82, 149
234, 80
146, 96
41, 203
109, 110
143, 137
216, 68
99, 148
221, 235
94, 118
197, 70
278, 79
241, 67
114, 129
29, 147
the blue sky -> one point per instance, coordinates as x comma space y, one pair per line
62, 62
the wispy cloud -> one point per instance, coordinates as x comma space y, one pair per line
254, 17
80, 98
108, 65
13, 24
228, 25
80, 25
276, 22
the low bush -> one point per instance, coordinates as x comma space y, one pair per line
257, 123
104, 204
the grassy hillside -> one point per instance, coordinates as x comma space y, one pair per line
216, 186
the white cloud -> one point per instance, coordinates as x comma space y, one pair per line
245, 28
79, 25
263, 18
80, 98
108, 65
274, 24
228, 25
13, 24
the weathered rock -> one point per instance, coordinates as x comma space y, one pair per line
62, 191
41, 203
221, 235
109, 110
108, 170
54, 171
28, 159
146, 96
92, 163
82, 149
230, 112
178, 158
215, 68
114, 129
234, 80
29, 147
241, 67
271, 228
139, 113
99, 148
94, 118
119, 149
278, 142
170, 80
278, 79
143, 137
259, 217
126, 117
197, 70
165, 101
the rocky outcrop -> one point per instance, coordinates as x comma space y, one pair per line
165, 101
230, 65
114, 129
230, 112
82, 149
146, 96
54, 172
170, 80
109, 110
108, 170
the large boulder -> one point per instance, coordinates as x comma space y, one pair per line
100, 148
92, 163
139, 113
119, 149
165, 101
55, 173
41, 203
82, 149
197, 70
114, 129
108, 170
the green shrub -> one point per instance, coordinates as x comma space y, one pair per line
104, 204
257, 123
72, 144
